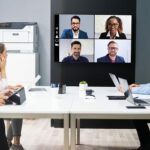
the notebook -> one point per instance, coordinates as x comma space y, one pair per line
135, 101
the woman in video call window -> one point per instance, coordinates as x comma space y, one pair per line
114, 29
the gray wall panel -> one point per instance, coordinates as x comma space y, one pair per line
142, 74
34, 11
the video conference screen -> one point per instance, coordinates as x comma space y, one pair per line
93, 38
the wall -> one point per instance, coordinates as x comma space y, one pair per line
39, 10
143, 42
34, 11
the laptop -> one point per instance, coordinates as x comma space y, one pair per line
115, 80
35, 89
127, 92
117, 84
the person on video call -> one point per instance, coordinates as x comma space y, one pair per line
75, 54
114, 29
112, 56
74, 32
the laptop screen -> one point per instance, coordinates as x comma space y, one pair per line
125, 88
115, 80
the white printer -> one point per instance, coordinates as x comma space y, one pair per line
19, 37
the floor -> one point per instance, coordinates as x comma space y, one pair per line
38, 135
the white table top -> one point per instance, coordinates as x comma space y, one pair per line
39, 104
107, 109
45, 103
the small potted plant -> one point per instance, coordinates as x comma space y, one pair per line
83, 84
82, 88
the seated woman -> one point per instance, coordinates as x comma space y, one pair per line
14, 130
3, 140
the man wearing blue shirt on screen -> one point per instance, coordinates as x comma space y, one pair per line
75, 54
112, 56
74, 32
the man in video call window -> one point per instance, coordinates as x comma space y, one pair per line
74, 32
112, 56
75, 54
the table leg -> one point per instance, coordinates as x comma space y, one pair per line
78, 131
66, 132
73, 132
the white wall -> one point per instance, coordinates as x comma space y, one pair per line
32, 11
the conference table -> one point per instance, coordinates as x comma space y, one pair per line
50, 104
42, 104
101, 107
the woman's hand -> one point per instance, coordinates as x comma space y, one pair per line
2, 102
7, 92
2, 98
16, 87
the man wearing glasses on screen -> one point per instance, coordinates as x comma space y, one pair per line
112, 56
74, 32
114, 29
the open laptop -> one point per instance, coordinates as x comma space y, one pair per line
35, 89
135, 101
114, 79
117, 84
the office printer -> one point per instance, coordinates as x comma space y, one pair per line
19, 36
